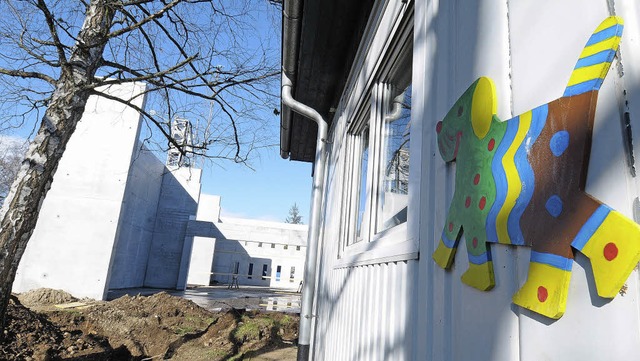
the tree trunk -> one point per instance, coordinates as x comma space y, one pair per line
22, 205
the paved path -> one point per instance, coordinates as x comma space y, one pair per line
283, 354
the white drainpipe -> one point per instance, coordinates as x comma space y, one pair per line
308, 288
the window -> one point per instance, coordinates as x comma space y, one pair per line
286, 246
273, 245
265, 268
393, 181
297, 248
292, 276
380, 162
260, 244
278, 270
250, 273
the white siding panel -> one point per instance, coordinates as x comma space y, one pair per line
413, 310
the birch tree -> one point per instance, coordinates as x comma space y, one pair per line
56, 53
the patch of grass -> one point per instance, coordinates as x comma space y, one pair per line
252, 327
184, 330
215, 354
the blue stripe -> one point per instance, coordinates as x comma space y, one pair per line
500, 178
605, 56
527, 177
481, 259
447, 242
593, 84
552, 260
590, 227
615, 30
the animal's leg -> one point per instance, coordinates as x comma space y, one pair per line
480, 272
446, 251
547, 285
612, 243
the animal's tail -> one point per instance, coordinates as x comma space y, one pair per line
595, 60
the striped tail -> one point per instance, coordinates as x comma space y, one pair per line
596, 57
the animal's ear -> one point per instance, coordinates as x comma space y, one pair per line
484, 105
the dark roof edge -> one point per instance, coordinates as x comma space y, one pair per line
291, 20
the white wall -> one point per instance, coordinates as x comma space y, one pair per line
214, 245
73, 241
169, 255
137, 220
412, 309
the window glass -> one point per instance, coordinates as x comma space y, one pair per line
363, 200
393, 187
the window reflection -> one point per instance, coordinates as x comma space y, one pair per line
393, 188
363, 200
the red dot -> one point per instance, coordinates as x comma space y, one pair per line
492, 143
439, 127
467, 202
475, 242
542, 294
476, 179
483, 203
610, 251
450, 227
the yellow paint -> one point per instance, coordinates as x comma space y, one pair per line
554, 280
610, 276
444, 255
611, 43
609, 22
479, 276
514, 185
483, 106
587, 73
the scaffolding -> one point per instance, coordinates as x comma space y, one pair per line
180, 155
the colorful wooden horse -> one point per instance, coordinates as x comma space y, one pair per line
522, 181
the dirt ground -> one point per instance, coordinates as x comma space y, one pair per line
48, 324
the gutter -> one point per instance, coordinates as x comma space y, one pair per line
291, 19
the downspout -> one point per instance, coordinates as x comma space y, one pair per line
291, 25
310, 267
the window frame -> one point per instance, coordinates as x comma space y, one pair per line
399, 242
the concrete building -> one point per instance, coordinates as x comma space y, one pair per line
116, 217
377, 293
249, 252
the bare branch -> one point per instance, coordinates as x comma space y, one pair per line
28, 74
52, 30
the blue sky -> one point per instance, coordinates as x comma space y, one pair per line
266, 193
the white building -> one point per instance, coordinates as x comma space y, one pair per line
116, 217
378, 294
249, 252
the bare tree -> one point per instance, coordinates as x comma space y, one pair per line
11, 156
56, 53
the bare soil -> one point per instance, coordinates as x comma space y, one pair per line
52, 325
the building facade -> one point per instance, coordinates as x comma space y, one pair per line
117, 217
379, 293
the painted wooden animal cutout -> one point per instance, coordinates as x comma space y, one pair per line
522, 181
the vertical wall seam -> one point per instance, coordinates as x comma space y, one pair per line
509, 58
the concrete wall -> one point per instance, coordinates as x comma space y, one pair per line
260, 243
137, 220
217, 244
72, 244
260, 254
168, 258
